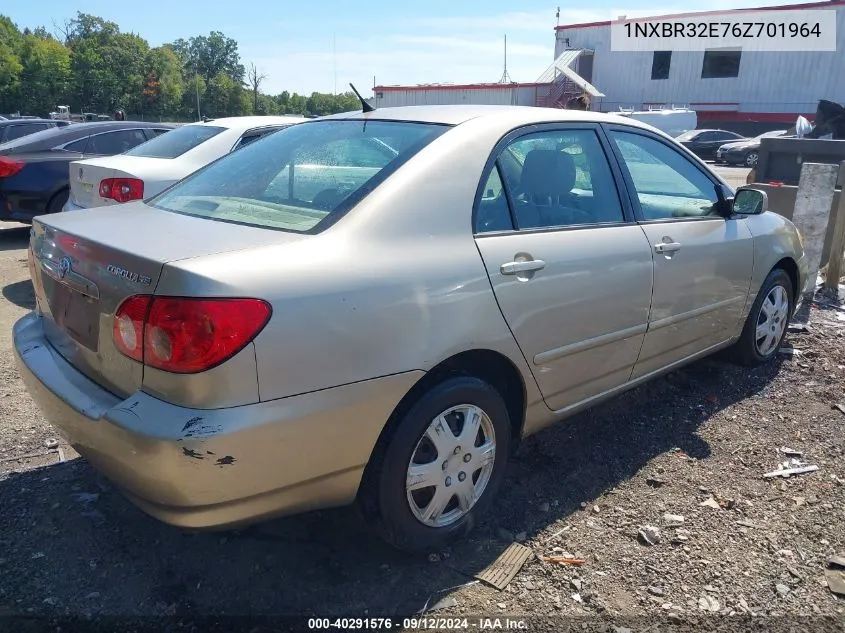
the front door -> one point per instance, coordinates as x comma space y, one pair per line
702, 261
570, 269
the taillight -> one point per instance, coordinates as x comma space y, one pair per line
122, 189
186, 335
9, 167
128, 326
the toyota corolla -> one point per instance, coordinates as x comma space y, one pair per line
374, 308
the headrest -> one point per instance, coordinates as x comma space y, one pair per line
547, 173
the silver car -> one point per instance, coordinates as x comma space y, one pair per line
375, 307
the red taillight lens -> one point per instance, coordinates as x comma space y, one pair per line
9, 167
129, 326
185, 335
122, 189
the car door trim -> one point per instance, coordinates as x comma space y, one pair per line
544, 358
691, 314
628, 215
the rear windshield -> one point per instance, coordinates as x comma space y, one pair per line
176, 142
37, 137
301, 178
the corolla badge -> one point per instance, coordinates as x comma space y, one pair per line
64, 267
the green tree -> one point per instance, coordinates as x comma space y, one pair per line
210, 55
166, 68
45, 74
10, 64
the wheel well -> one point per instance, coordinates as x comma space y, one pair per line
789, 266
491, 367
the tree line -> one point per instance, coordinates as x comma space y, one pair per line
89, 64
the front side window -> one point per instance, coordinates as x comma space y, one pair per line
176, 142
667, 184
555, 179
302, 177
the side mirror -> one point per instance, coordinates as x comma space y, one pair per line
750, 202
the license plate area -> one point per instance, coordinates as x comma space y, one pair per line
76, 314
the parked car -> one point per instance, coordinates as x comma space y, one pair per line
155, 165
11, 129
704, 143
34, 169
376, 307
672, 121
746, 152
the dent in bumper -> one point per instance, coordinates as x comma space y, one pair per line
220, 467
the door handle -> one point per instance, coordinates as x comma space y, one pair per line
514, 268
667, 247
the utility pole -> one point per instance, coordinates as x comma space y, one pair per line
197, 85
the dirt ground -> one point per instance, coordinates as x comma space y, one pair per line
71, 545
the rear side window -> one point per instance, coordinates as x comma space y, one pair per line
77, 146
18, 131
555, 178
254, 135
300, 178
111, 143
176, 142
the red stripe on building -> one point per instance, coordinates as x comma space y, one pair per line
785, 7
459, 87
752, 117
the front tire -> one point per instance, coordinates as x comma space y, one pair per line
765, 327
439, 466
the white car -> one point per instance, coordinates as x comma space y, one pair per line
153, 166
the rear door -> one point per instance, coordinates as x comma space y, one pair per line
571, 270
702, 261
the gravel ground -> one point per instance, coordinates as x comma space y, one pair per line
645, 462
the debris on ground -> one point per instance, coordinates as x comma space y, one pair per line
564, 560
788, 472
841, 407
673, 520
502, 570
711, 503
649, 535
709, 603
835, 574
791, 452
51, 443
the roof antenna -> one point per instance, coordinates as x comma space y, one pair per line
366, 107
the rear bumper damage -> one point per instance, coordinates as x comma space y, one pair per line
220, 467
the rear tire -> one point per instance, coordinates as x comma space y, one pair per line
751, 159
765, 327
465, 471
58, 201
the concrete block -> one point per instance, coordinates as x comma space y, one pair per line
812, 214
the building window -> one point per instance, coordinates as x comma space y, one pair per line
660, 64
720, 64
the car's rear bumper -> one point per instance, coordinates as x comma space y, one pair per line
213, 468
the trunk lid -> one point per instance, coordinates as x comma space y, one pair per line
84, 265
85, 177
157, 174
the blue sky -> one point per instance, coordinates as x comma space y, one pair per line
293, 43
